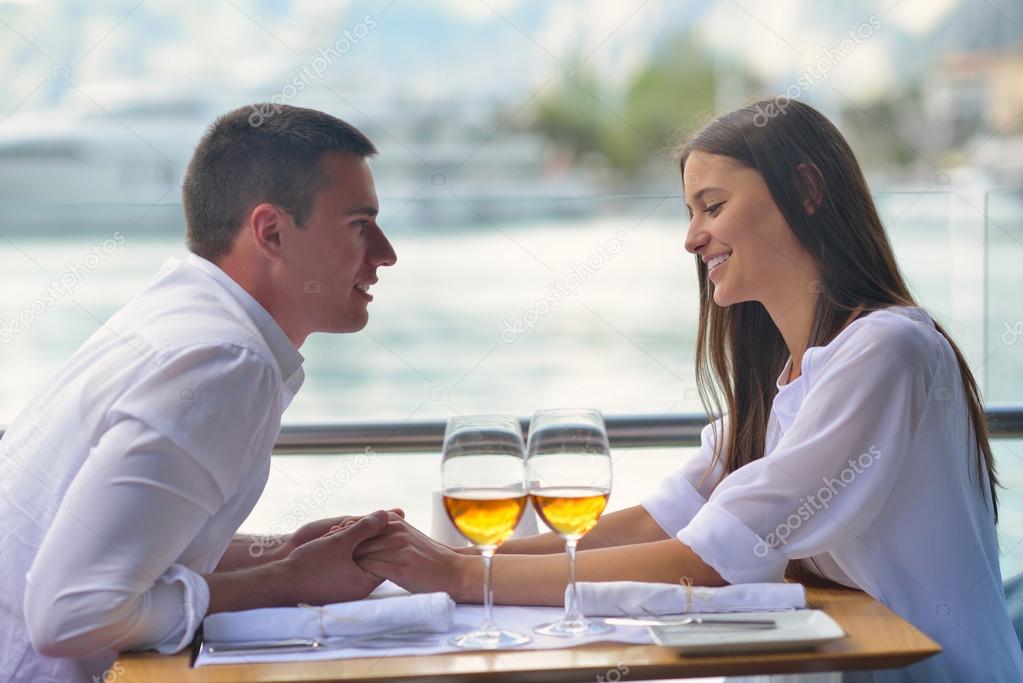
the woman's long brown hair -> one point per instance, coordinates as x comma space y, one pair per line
737, 376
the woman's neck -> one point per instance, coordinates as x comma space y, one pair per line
794, 322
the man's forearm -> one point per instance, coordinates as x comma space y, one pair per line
246, 552
267, 585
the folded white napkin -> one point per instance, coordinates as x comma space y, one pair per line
427, 612
635, 598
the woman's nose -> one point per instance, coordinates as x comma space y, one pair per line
696, 237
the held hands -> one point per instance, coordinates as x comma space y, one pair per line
416, 562
321, 568
345, 558
314, 530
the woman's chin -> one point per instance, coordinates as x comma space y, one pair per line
725, 296
721, 297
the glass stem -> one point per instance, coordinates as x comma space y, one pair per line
572, 612
488, 594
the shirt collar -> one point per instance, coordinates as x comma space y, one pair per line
289, 360
790, 395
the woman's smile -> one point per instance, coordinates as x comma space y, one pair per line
714, 264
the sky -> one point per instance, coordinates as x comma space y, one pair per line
78, 55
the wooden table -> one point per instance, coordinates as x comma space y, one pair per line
877, 639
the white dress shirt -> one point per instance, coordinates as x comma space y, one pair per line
870, 472
124, 480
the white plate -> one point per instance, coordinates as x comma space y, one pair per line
797, 630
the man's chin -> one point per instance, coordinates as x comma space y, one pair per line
343, 324
353, 324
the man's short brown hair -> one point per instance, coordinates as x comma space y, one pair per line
260, 153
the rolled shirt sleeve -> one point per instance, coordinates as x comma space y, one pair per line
108, 575
833, 468
682, 493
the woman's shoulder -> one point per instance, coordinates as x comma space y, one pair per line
903, 336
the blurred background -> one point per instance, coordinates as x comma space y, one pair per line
526, 180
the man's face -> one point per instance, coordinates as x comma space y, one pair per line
332, 260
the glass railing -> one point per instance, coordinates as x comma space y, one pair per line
509, 305
502, 304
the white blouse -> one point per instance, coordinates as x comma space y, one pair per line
870, 472
124, 480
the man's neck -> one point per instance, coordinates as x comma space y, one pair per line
258, 286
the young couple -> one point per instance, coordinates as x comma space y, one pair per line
852, 446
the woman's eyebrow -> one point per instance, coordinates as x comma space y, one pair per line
702, 191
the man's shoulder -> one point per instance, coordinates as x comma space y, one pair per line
182, 315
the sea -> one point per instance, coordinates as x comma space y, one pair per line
591, 308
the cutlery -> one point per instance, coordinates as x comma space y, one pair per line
384, 639
691, 621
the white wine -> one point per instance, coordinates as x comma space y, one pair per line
570, 511
487, 517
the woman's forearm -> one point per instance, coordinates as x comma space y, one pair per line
622, 527
541, 580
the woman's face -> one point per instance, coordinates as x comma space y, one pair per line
739, 232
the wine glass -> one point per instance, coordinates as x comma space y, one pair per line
483, 481
568, 464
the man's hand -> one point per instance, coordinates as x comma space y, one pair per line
319, 528
416, 562
323, 570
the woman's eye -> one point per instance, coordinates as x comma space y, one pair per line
713, 209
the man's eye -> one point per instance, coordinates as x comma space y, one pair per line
713, 209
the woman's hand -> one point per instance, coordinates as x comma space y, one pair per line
417, 563
318, 572
321, 527
323, 570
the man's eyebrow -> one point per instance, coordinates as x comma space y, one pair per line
363, 210
701, 192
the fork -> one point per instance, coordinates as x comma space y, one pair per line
653, 619
692, 621
218, 649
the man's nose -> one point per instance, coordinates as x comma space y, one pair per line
383, 253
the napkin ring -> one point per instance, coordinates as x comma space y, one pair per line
691, 593
323, 614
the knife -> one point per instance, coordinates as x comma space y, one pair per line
692, 621
261, 647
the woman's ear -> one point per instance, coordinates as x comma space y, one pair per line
810, 184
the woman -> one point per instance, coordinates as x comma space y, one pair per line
853, 447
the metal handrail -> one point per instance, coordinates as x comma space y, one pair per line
624, 431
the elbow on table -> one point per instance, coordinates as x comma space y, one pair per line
714, 580
694, 568
72, 625
703, 575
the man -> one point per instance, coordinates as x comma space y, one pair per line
124, 480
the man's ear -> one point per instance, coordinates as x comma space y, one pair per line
265, 225
811, 186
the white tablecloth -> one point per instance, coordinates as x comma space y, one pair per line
467, 618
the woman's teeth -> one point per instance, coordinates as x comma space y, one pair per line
717, 261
